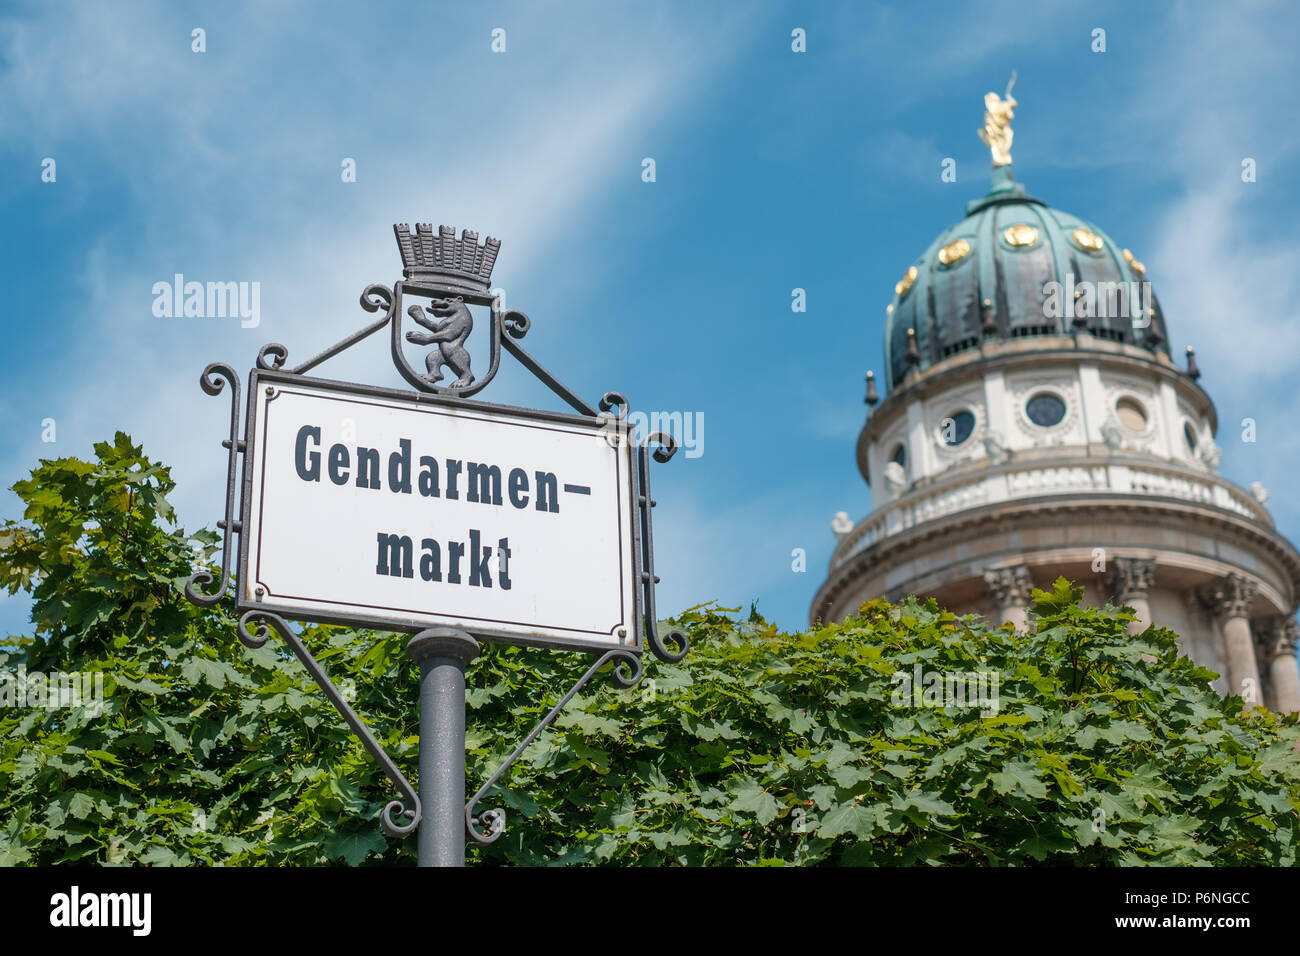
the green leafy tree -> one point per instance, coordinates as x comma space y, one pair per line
759, 748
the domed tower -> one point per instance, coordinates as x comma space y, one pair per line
1034, 425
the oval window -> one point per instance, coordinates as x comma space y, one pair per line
899, 457
1131, 414
957, 427
1190, 434
1045, 409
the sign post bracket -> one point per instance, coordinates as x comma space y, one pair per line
627, 673
256, 638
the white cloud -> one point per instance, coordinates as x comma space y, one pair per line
523, 155
1226, 291
1211, 100
1221, 261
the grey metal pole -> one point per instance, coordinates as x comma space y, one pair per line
442, 653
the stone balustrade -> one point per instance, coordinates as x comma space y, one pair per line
1013, 481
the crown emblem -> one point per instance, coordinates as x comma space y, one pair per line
444, 262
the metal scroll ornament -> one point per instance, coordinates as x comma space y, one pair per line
443, 277
211, 382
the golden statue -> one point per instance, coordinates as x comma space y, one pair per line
997, 133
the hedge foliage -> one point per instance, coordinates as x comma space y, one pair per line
759, 748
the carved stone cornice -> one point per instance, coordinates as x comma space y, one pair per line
1131, 578
1231, 597
1009, 587
858, 573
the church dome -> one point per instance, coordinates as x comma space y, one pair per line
1037, 428
988, 278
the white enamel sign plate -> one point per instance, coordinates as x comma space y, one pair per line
383, 509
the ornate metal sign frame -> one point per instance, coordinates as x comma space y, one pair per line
452, 274
617, 432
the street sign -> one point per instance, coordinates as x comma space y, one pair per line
453, 520
402, 511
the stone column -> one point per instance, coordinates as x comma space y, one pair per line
1010, 589
1131, 580
1277, 646
1193, 643
1230, 601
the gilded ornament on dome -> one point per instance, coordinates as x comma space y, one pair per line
1020, 235
905, 283
1087, 240
1136, 266
954, 252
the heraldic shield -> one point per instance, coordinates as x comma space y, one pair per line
446, 275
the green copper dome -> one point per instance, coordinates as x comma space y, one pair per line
986, 278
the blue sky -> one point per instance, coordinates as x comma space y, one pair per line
775, 170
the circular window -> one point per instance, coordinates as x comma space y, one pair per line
899, 457
1131, 414
957, 427
1190, 434
1045, 409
